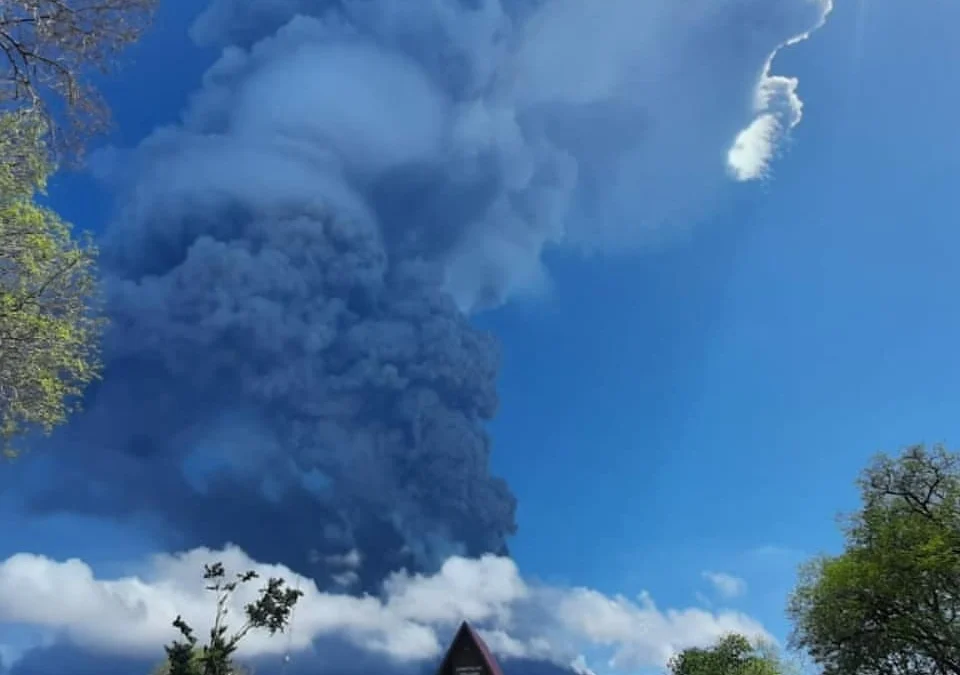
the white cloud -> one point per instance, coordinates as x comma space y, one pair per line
580, 666
350, 560
639, 633
776, 551
777, 109
754, 148
406, 622
726, 585
464, 588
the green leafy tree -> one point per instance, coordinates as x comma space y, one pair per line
732, 655
50, 320
49, 47
271, 611
889, 604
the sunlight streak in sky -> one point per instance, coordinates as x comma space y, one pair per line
859, 45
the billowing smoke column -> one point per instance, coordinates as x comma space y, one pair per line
291, 268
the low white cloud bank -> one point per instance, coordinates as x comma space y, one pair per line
726, 585
408, 621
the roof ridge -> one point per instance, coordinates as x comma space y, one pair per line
487, 661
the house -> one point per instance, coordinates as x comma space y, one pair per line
468, 655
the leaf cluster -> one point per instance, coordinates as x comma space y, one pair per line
733, 654
270, 611
51, 316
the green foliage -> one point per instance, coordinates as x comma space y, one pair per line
731, 655
50, 321
193, 665
271, 611
890, 603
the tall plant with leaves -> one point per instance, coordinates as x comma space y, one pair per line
50, 311
270, 611
889, 604
732, 654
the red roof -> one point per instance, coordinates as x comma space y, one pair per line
467, 632
487, 654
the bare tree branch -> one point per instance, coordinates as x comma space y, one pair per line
50, 48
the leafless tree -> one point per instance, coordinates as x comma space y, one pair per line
50, 48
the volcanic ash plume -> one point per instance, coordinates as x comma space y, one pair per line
291, 369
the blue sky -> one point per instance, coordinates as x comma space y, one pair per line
695, 419
702, 405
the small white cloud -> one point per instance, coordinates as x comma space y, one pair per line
726, 585
350, 560
776, 552
777, 108
754, 148
346, 579
580, 666
408, 621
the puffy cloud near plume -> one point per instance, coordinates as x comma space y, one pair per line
290, 269
409, 620
726, 585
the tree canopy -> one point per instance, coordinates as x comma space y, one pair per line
50, 322
889, 604
732, 655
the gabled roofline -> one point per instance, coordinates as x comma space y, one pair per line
466, 631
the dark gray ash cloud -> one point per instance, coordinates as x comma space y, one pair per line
292, 266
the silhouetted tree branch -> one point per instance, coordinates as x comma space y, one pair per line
48, 49
270, 611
